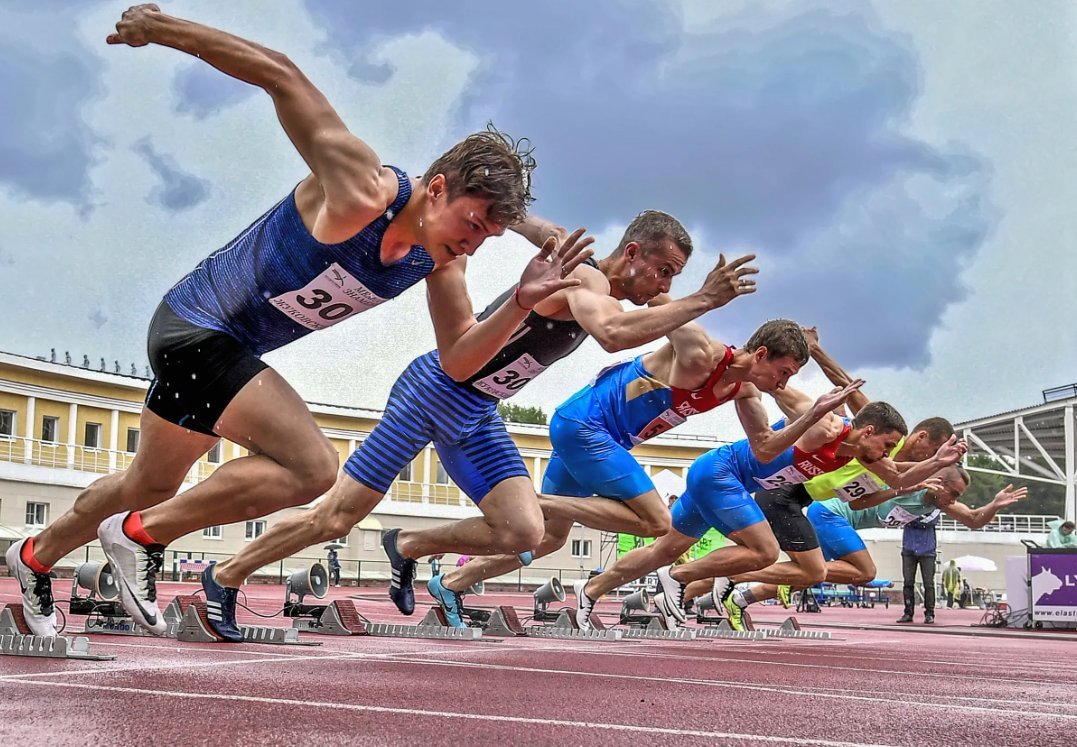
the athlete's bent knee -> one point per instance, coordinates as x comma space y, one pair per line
657, 527
765, 554
314, 473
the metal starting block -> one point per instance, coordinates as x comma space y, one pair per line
790, 628
656, 629
565, 627
16, 640
724, 630
497, 622
194, 628
122, 624
338, 618
433, 625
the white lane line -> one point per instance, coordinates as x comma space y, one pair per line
416, 712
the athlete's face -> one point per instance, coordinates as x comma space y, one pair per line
952, 490
456, 227
874, 446
771, 375
920, 446
649, 272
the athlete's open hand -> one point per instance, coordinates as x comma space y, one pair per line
836, 397
932, 485
1009, 495
727, 281
952, 451
133, 28
811, 334
549, 270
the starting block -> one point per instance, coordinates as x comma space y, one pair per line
724, 630
790, 628
338, 618
656, 629
498, 622
194, 628
16, 640
120, 623
433, 625
565, 627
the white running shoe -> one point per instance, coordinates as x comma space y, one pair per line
36, 588
674, 591
135, 567
584, 605
722, 587
669, 616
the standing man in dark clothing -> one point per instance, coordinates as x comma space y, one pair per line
918, 551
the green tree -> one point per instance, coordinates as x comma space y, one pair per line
1043, 498
511, 413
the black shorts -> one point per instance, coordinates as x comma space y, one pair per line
197, 371
784, 509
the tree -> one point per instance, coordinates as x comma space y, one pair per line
520, 414
1043, 498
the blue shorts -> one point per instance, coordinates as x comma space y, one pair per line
587, 461
715, 497
837, 538
426, 406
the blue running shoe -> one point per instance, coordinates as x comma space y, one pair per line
221, 608
526, 557
448, 600
400, 588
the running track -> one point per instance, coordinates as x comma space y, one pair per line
865, 687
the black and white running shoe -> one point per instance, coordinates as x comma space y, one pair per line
36, 588
403, 574
135, 567
674, 591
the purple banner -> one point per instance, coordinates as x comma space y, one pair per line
1053, 577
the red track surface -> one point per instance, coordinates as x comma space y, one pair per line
865, 687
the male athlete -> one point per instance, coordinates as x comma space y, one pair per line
456, 409
593, 432
351, 235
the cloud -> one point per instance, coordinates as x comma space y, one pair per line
772, 130
47, 77
202, 91
178, 191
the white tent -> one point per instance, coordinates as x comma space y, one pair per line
668, 483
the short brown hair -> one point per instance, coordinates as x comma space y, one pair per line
882, 416
492, 166
937, 429
782, 338
651, 227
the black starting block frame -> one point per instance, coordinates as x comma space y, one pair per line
17, 640
194, 627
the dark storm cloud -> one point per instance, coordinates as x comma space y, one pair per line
783, 132
178, 191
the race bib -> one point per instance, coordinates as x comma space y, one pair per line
510, 379
788, 476
899, 517
329, 298
664, 422
864, 484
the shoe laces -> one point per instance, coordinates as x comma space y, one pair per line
43, 593
152, 560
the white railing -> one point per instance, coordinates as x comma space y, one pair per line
1013, 523
38, 453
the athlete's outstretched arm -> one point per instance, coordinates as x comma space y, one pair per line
465, 344
871, 500
768, 444
890, 473
835, 373
356, 186
616, 329
977, 518
539, 230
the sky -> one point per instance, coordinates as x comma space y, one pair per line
902, 170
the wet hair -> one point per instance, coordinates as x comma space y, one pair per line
937, 429
491, 166
782, 338
650, 228
882, 416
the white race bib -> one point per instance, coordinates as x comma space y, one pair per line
664, 422
899, 517
329, 298
863, 485
787, 476
510, 379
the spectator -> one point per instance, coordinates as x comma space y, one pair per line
1062, 535
435, 564
462, 560
334, 568
918, 551
951, 583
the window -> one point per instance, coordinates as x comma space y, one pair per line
370, 541
50, 426
213, 533
37, 514
214, 455
581, 548
255, 529
93, 436
342, 541
442, 477
405, 473
132, 440
7, 423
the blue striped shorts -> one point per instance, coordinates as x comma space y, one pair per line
426, 406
